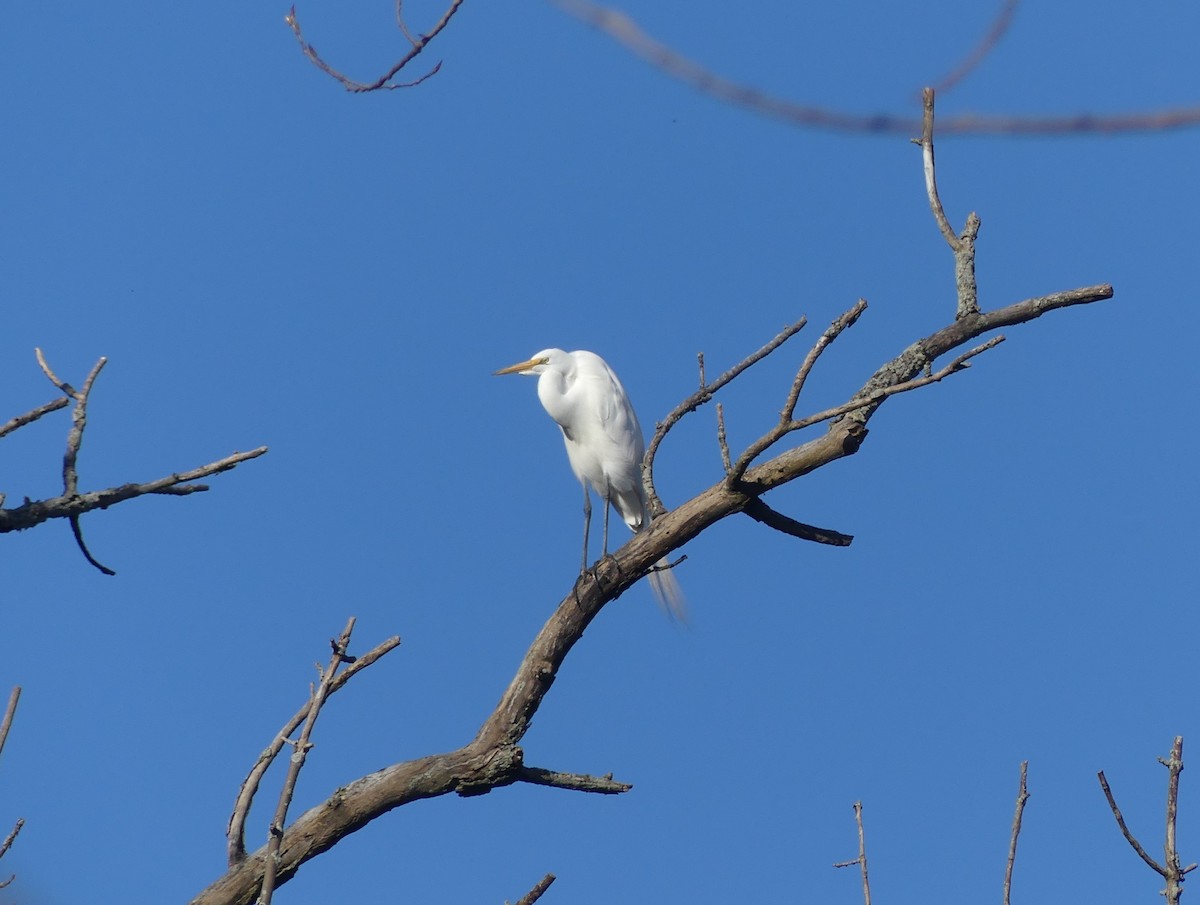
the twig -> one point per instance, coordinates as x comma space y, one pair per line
847, 319
703, 395
8, 841
761, 512
769, 439
1129, 837
31, 416
10, 711
236, 831
722, 440
1000, 26
536, 893
625, 31
1022, 797
300, 751
861, 860
962, 245
419, 43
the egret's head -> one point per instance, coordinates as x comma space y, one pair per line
533, 366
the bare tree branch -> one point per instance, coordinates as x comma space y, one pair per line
627, 33
703, 395
384, 82
861, 860
1129, 837
236, 830
31, 416
10, 711
577, 782
1022, 797
536, 893
1000, 25
761, 512
35, 512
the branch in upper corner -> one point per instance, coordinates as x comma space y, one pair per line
1022, 797
384, 82
536, 893
578, 782
999, 28
761, 512
626, 32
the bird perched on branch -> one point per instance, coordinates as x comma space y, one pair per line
604, 445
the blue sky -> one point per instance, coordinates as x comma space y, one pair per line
266, 259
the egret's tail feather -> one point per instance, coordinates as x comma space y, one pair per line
666, 589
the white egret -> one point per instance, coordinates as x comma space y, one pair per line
604, 445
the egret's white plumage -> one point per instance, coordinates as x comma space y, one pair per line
604, 444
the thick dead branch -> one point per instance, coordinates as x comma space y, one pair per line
628, 34
493, 759
384, 82
577, 782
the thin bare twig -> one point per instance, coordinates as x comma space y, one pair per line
31, 416
300, 749
8, 841
578, 782
1000, 25
773, 436
10, 711
861, 860
935, 202
722, 440
1022, 797
536, 893
847, 319
627, 33
384, 82
703, 395
236, 831
1129, 837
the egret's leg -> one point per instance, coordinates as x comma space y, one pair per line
607, 508
587, 523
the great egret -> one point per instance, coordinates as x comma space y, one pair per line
604, 445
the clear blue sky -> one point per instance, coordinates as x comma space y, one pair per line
266, 259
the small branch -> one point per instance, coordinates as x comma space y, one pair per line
300, 751
1137, 846
418, 42
1174, 872
578, 782
10, 711
1022, 797
236, 831
536, 893
861, 860
627, 33
870, 398
7, 844
704, 394
1000, 26
722, 441
31, 416
77, 532
761, 512
847, 319
935, 202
